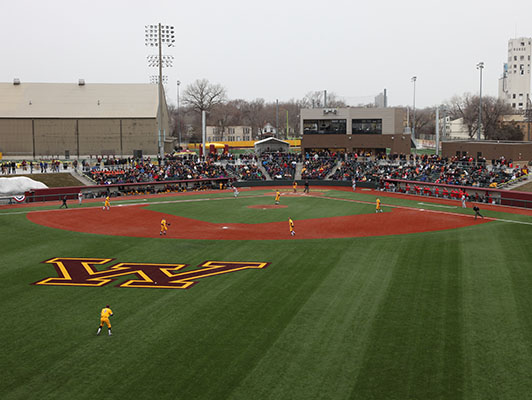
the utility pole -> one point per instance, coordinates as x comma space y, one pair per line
286, 133
437, 131
277, 118
203, 132
528, 116
444, 135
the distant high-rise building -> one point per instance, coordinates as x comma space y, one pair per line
381, 100
514, 85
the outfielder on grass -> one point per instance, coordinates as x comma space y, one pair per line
277, 197
104, 319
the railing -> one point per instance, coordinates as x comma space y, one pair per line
7, 200
114, 190
473, 193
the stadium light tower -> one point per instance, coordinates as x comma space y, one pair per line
177, 115
157, 36
414, 79
480, 67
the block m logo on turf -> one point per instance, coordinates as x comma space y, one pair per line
82, 272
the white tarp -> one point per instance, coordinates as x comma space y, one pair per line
18, 185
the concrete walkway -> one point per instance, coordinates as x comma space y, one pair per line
515, 186
299, 168
82, 178
338, 163
264, 172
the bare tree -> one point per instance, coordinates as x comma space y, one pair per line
464, 107
202, 95
316, 99
467, 107
492, 112
254, 114
293, 109
426, 121
226, 114
508, 131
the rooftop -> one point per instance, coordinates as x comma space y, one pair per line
73, 100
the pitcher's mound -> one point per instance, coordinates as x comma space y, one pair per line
267, 206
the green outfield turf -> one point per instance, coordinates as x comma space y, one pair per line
439, 315
297, 208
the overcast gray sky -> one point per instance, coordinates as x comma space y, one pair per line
275, 49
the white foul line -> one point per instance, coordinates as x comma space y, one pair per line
432, 211
436, 205
262, 195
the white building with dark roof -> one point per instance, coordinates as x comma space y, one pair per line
514, 85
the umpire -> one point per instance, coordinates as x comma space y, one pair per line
64, 202
477, 212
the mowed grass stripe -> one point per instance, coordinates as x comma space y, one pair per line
318, 355
497, 329
238, 211
415, 349
259, 313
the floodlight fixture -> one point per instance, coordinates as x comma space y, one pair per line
155, 79
166, 61
155, 35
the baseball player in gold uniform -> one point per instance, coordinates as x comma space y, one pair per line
104, 319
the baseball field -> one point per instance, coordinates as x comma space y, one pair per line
420, 301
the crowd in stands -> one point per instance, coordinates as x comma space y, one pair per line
438, 191
318, 165
280, 165
462, 171
357, 166
246, 172
144, 170
10, 167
